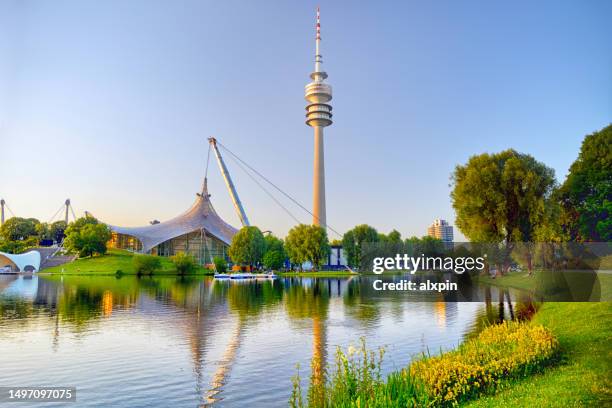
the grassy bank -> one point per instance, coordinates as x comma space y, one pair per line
561, 358
522, 280
115, 260
584, 376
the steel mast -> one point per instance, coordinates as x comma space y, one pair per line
230, 185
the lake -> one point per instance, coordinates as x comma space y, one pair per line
194, 341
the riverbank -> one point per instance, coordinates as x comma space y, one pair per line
112, 263
584, 331
583, 377
523, 281
118, 260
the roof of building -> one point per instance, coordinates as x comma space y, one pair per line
201, 215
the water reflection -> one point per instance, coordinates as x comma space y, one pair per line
241, 339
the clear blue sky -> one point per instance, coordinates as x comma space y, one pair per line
109, 103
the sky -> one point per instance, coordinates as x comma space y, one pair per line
110, 103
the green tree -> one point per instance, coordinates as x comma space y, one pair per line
248, 246
586, 194
19, 229
501, 198
57, 230
394, 237
353, 240
87, 237
307, 243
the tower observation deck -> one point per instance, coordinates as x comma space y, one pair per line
318, 115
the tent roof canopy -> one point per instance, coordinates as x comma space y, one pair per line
200, 216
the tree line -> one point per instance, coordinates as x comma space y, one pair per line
510, 198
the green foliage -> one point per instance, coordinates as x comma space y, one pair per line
586, 194
307, 243
274, 259
57, 230
184, 263
54, 231
18, 247
275, 255
353, 240
499, 353
501, 197
19, 229
248, 246
394, 237
146, 264
426, 245
220, 264
87, 237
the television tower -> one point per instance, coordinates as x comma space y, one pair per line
318, 116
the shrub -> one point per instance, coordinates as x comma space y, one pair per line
220, 264
500, 352
184, 263
146, 264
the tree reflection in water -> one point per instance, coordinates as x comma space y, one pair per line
208, 308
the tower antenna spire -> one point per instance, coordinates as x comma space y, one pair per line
318, 57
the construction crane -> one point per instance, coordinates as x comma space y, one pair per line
230, 185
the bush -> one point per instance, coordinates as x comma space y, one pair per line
184, 263
500, 352
146, 264
220, 264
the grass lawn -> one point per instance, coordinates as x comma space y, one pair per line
583, 378
521, 280
115, 260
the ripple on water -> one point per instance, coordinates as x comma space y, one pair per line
180, 343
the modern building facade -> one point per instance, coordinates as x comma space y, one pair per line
199, 231
442, 230
318, 116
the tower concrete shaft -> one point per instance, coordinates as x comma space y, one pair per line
318, 115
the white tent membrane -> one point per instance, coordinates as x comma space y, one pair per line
22, 261
200, 216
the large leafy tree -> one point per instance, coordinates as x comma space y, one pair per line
248, 246
87, 236
501, 198
353, 240
307, 243
586, 194
19, 229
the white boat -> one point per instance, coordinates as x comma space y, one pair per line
245, 275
